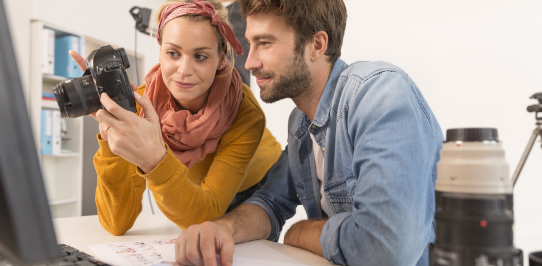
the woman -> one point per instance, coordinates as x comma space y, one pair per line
199, 140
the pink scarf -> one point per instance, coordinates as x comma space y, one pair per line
192, 137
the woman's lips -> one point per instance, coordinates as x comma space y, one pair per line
184, 85
261, 81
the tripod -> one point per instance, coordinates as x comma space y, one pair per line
537, 108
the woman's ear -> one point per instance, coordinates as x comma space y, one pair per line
222, 61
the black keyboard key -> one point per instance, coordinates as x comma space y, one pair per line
85, 263
71, 258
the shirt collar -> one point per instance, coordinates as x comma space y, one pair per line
322, 112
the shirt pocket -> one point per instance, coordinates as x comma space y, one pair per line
300, 190
338, 196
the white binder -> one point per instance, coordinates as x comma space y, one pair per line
48, 59
57, 133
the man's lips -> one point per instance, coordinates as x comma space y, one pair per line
262, 80
183, 85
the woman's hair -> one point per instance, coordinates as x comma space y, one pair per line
223, 12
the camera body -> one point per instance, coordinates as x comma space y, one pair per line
105, 73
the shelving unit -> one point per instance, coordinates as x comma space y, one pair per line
63, 173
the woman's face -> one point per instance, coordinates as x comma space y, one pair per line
189, 60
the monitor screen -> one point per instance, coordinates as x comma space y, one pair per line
26, 229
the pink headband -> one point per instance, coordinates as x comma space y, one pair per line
203, 8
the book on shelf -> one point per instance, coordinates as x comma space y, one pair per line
48, 96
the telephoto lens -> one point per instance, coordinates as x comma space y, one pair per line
474, 202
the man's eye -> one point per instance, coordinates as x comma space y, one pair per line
265, 43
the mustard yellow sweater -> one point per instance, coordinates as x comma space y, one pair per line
187, 196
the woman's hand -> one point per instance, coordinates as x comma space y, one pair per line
136, 139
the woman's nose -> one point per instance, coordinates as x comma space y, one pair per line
185, 67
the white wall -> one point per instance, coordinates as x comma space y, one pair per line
476, 62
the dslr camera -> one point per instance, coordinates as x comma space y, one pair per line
106, 72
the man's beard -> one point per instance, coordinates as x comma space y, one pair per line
294, 80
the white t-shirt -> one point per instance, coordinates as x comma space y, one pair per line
319, 160
227, 3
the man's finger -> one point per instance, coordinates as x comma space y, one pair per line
79, 60
115, 109
226, 253
207, 245
193, 252
147, 107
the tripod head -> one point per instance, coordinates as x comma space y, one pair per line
536, 107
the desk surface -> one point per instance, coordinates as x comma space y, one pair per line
81, 232
85, 231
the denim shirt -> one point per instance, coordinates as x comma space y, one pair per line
381, 143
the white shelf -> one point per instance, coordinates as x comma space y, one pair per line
68, 154
53, 78
62, 173
61, 202
49, 104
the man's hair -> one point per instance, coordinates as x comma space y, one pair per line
307, 17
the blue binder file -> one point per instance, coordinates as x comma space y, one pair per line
64, 64
46, 137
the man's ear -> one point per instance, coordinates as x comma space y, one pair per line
319, 45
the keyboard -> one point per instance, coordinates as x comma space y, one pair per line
73, 257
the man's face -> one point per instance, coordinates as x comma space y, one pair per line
280, 71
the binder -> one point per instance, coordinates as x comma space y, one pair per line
64, 64
57, 133
48, 60
46, 131
83, 47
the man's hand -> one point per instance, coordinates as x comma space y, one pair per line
200, 243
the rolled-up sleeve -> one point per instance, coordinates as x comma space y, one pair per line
278, 196
393, 144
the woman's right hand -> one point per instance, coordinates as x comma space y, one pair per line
83, 65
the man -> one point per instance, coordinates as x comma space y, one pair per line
362, 148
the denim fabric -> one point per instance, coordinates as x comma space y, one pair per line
242, 196
381, 144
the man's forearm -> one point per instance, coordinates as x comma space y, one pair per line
247, 222
306, 235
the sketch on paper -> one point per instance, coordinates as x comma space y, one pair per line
142, 253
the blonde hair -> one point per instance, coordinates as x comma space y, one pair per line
222, 11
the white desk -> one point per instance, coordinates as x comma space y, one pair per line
85, 231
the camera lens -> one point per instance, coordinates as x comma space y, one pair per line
77, 97
474, 202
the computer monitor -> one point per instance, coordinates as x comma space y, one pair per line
26, 229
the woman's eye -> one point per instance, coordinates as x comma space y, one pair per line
200, 57
172, 54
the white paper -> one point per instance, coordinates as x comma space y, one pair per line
162, 252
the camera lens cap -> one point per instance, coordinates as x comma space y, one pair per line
472, 134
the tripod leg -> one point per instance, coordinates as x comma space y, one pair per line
528, 149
